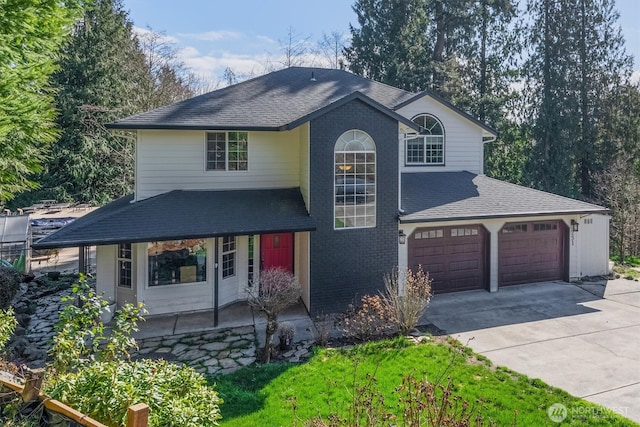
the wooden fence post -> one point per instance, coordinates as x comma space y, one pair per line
138, 415
32, 384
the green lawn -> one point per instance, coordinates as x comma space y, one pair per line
266, 395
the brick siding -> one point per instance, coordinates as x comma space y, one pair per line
348, 263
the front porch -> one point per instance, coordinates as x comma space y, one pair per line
191, 338
236, 315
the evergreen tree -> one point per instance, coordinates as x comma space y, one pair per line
106, 73
31, 33
99, 81
603, 65
390, 45
577, 59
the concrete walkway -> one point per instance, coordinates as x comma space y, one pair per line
583, 338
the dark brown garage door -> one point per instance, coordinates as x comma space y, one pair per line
531, 252
455, 257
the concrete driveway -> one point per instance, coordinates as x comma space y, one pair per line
584, 338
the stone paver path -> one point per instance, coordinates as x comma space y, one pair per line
215, 352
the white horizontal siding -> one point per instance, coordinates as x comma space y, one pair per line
175, 160
463, 139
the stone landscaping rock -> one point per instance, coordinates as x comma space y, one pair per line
215, 346
217, 352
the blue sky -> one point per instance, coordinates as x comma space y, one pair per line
245, 34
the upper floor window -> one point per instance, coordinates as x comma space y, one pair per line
227, 151
354, 180
426, 148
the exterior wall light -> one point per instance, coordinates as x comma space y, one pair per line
574, 225
402, 238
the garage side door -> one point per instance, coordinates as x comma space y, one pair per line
454, 257
530, 252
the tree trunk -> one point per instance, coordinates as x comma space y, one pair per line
272, 327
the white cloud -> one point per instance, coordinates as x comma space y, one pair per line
163, 38
187, 52
212, 36
635, 77
266, 39
208, 65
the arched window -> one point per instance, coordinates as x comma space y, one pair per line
354, 180
426, 148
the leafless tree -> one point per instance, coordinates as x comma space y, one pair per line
295, 49
618, 187
273, 291
331, 48
169, 80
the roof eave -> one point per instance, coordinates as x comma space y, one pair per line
405, 220
452, 107
342, 101
158, 238
132, 127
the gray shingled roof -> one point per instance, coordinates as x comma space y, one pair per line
270, 102
186, 214
438, 196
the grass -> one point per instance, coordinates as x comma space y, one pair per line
287, 394
629, 260
626, 272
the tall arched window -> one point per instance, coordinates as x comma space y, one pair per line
355, 180
426, 148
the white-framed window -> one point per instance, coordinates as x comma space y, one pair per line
124, 265
227, 151
354, 180
427, 147
250, 259
173, 262
430, 234
464, 231
228, 256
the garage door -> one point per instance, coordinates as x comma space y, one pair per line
455, 257
531, 252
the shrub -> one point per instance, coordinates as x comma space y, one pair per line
407, 294
275, 290
286, 332
372, 319
7, 325
323, 323
177, 396
9, 284
81, 337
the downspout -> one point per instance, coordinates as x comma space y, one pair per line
215, 283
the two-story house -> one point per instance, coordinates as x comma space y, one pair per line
335, 177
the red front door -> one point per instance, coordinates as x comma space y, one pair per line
276, 250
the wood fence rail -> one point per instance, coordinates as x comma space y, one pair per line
137, 415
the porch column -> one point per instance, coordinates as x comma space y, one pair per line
81, 260
494, 232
